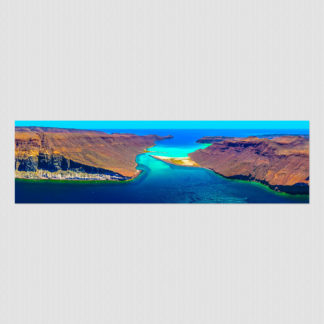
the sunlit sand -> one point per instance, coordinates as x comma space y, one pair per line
183, 161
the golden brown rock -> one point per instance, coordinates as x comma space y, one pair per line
55, 149
281, 162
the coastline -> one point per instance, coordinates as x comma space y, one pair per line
281, 162
272, 188
80, 177
90, 180
85, 181
73, 177
75, 180
261, 184
60, 154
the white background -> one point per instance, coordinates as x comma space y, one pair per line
170, 59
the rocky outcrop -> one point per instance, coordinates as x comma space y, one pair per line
64, 152
281, 162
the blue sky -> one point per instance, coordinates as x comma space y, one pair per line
131, 124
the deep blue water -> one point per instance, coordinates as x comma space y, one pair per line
160, 182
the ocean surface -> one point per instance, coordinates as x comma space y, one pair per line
160, 182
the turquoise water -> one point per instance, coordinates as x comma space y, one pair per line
159, 182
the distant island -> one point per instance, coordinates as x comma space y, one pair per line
75, 154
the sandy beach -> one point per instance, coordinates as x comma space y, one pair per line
183, 161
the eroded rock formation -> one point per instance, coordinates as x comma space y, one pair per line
281, 162
49, 151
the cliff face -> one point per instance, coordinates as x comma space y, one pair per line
48, 151
282, 162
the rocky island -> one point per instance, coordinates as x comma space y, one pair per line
281, 162
74, 154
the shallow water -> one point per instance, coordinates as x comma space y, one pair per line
159, 182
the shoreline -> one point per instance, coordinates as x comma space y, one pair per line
259, 183
77, 180
167, 161
87, 155
170, 160
101, 178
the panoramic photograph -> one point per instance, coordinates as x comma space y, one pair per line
162, 162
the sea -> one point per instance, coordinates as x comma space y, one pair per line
160, 182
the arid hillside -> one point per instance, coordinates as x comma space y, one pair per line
91, 152
281, 162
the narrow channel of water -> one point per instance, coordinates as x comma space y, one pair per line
160, 182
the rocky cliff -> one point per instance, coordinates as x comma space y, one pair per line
71, 154
281, 162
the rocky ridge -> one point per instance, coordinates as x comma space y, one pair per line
58, 153
282, 162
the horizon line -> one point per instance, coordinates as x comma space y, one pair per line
172, 124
